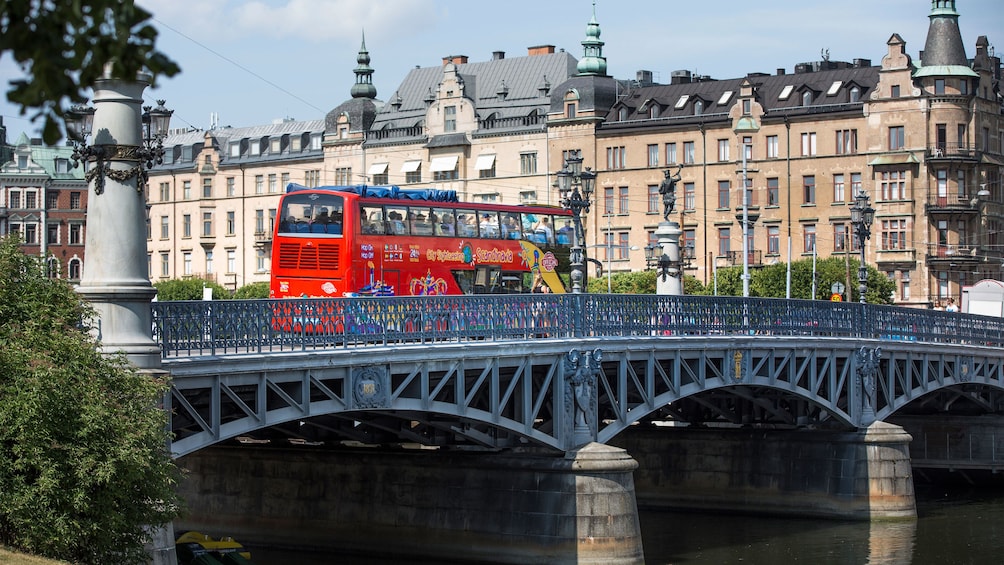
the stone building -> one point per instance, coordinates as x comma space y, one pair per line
921, 136
43, 199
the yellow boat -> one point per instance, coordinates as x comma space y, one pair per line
195, 548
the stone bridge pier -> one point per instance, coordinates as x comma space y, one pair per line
525, 507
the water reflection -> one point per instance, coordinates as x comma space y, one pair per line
961, 528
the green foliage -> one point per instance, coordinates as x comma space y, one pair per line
188, 289
83, 459
771, 281
693, 286
49, 39
640, 282
251, 291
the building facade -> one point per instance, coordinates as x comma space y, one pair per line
921, 136
43, 200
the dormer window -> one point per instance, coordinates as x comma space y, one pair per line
653, 111
855, 94
747, 106
622, 114
698, 107
807, 98
235, 149
275, 145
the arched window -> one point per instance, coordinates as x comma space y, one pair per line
74, 270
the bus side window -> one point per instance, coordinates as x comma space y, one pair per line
372, 220
396, 218
444, 222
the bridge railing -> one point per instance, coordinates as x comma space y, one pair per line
193, 328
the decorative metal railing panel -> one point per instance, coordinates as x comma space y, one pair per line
186, 329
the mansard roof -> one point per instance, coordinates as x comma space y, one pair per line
182, 147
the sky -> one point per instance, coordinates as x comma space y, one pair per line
251, 62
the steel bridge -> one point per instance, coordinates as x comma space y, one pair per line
559, 371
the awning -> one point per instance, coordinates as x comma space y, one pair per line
485, 162
893, 159
440, 164
378, 168
411, 166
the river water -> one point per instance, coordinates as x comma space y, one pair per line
954, 527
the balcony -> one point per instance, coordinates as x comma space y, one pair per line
953, 204
262, 238
951, 153
952, 256
735, 258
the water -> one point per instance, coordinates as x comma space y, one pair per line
953, 527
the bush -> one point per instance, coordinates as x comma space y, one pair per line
252, 291
84, 466
188, 289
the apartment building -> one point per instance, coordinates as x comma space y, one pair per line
43, 199
922, 136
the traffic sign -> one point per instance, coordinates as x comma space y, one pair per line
835, 297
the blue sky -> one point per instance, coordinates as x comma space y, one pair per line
254, 61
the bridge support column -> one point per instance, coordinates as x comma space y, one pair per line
527, 507
859, 475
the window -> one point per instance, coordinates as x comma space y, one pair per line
207, 187
231, 223
904, 280
207, 223
485, 166
896, 138
315, 141
284, 182
723, 150
14, 199
186, 261
786, 92
747, 106
623, 245
653, 155
808, 238
273, 183
838, 188
165, 264
608, 246
311, 178
296, 143
847, 141
961, 136
615, 157
384, 178
894, 91
670, 153
52, 234
942, 176
259, 183
261, 261
30, 200
689, 244
772, 147
840, 237
773, 240
748, 147
808, 189
654, 198
773, 192
960, 183
855, 183
343, 176
855, 94
259, 221
608, 200
413, 173
231, 186
688, 152
75, 200
235, 149
623, 203
894, 234
51, 200
231, 261
528, 163
807, 98
186, 190
892, 185
698, 107
808, 144
723, 194
186, 225
275, 145
450, 119
570, 110
622, 114
939, 86
750, 193
724, 235
76, 234
165, 229
689, 196
209, 262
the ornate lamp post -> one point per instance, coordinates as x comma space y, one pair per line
660, 262
125, 141
575, 186
862, 215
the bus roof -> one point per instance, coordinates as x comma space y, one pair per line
393, 192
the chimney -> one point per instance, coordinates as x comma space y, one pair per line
861, 63
780, 71
644, 78
455, 59
498, 55
679, 77
539, 50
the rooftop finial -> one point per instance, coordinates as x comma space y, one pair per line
363, 88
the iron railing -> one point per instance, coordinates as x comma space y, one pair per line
216, 327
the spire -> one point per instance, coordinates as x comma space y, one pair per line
593, 62
363, 88
944, 45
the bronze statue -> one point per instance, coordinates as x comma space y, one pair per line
668, 191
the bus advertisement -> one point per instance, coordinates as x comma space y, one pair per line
345, 241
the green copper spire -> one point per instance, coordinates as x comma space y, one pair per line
944, 53
593, 62
363, 88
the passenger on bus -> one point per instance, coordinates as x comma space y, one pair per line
565, 233
543, 228
446, 226
322, 216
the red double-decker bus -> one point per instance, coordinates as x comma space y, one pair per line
338, 241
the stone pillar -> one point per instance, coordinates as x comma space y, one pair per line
114, 279
670, 283
527, 507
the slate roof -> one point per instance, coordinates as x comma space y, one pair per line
222, 137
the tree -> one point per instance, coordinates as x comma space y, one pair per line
63, 47
188, 289
84, 466
251, 291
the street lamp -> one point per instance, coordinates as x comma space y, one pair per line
662, 262
862, 215
575, 187
155, 124
745, 128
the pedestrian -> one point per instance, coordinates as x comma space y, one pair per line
951, 307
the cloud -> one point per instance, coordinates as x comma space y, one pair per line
315, 21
